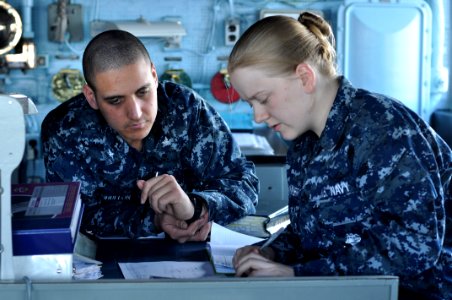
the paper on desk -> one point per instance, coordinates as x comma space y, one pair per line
223, 244
166, 269
84, 271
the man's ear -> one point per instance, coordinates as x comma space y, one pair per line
154, 73
307, 75
90, 97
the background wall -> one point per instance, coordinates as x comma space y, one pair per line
202, 51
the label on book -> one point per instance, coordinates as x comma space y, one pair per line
47, 200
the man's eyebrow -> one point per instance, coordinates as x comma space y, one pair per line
113, 97
145, 86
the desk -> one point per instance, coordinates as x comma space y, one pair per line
221, 288
308, 288
111, 252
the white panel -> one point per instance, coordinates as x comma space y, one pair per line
12, 141
385, 48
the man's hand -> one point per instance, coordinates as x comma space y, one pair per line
182, 232
165, 196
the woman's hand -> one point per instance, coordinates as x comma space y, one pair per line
252, 261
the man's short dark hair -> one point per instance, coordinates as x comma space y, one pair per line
109, 50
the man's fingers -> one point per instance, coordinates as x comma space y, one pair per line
179, 230
201, 233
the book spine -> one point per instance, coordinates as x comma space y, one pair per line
71, 197
42, 242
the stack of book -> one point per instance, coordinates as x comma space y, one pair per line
46, 217
45, 229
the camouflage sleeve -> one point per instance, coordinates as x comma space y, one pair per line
225, 178
287, 247
401, 226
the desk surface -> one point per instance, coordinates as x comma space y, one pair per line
111, 252
111, 287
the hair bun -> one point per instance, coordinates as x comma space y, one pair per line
317, 25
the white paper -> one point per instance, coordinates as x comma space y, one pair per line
166, 269
223, 244
86, 271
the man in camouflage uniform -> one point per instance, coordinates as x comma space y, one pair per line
135, 143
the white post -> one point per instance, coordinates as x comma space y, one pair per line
12, 140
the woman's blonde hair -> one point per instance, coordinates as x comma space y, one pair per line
278, 44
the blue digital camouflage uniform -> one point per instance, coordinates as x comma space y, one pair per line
189, 140
367, 198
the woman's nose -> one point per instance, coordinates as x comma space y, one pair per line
260, 114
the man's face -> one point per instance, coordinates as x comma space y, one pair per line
127, 98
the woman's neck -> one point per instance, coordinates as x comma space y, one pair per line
326, 91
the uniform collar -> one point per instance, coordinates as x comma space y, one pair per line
156, 133
338, 115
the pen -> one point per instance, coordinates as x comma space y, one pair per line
272, 238
145, 206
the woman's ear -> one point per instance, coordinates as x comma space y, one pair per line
307, 75
90, 97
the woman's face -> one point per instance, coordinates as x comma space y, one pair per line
281, 102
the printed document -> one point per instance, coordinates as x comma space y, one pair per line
223, 244
167, 269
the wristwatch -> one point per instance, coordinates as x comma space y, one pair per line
198, 203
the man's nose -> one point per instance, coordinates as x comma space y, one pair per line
134, 111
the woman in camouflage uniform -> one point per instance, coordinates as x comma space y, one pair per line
368, 178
